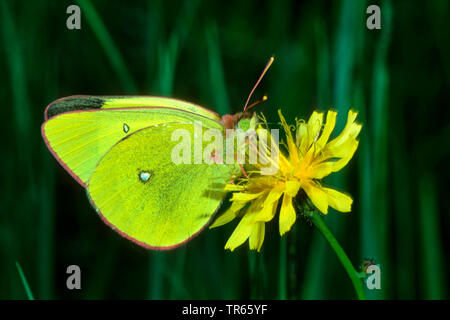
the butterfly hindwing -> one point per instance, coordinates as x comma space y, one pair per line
140, 192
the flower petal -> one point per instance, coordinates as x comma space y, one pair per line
245, 197
318, 197
321, 170
338, 200
343, 152
243, 230
287, 214
338, 165
301, 137
228, 215
328, 128
268, 208
351, 129
314, 126
292, 187
257, 237
270, 158
293, 152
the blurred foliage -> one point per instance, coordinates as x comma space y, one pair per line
211, 53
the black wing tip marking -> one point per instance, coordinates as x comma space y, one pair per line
73, 103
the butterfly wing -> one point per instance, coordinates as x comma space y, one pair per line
141, 193
79, 130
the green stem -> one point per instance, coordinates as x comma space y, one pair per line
282, 294
342, 256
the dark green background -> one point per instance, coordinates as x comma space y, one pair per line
211, 53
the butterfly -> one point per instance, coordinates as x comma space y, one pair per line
119, 148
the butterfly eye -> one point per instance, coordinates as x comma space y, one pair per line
144, 176
126, 128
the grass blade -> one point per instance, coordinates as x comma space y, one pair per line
108, 45
380, 120
433, 259
220, 97
24, 282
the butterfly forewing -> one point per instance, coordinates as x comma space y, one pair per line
78, 139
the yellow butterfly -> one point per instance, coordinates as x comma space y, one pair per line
120, 149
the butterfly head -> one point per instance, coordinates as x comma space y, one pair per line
241, 120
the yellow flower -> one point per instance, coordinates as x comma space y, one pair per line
310, 158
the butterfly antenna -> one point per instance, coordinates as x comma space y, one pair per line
256, 102
257, 83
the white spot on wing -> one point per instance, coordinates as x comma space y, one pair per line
144, 176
